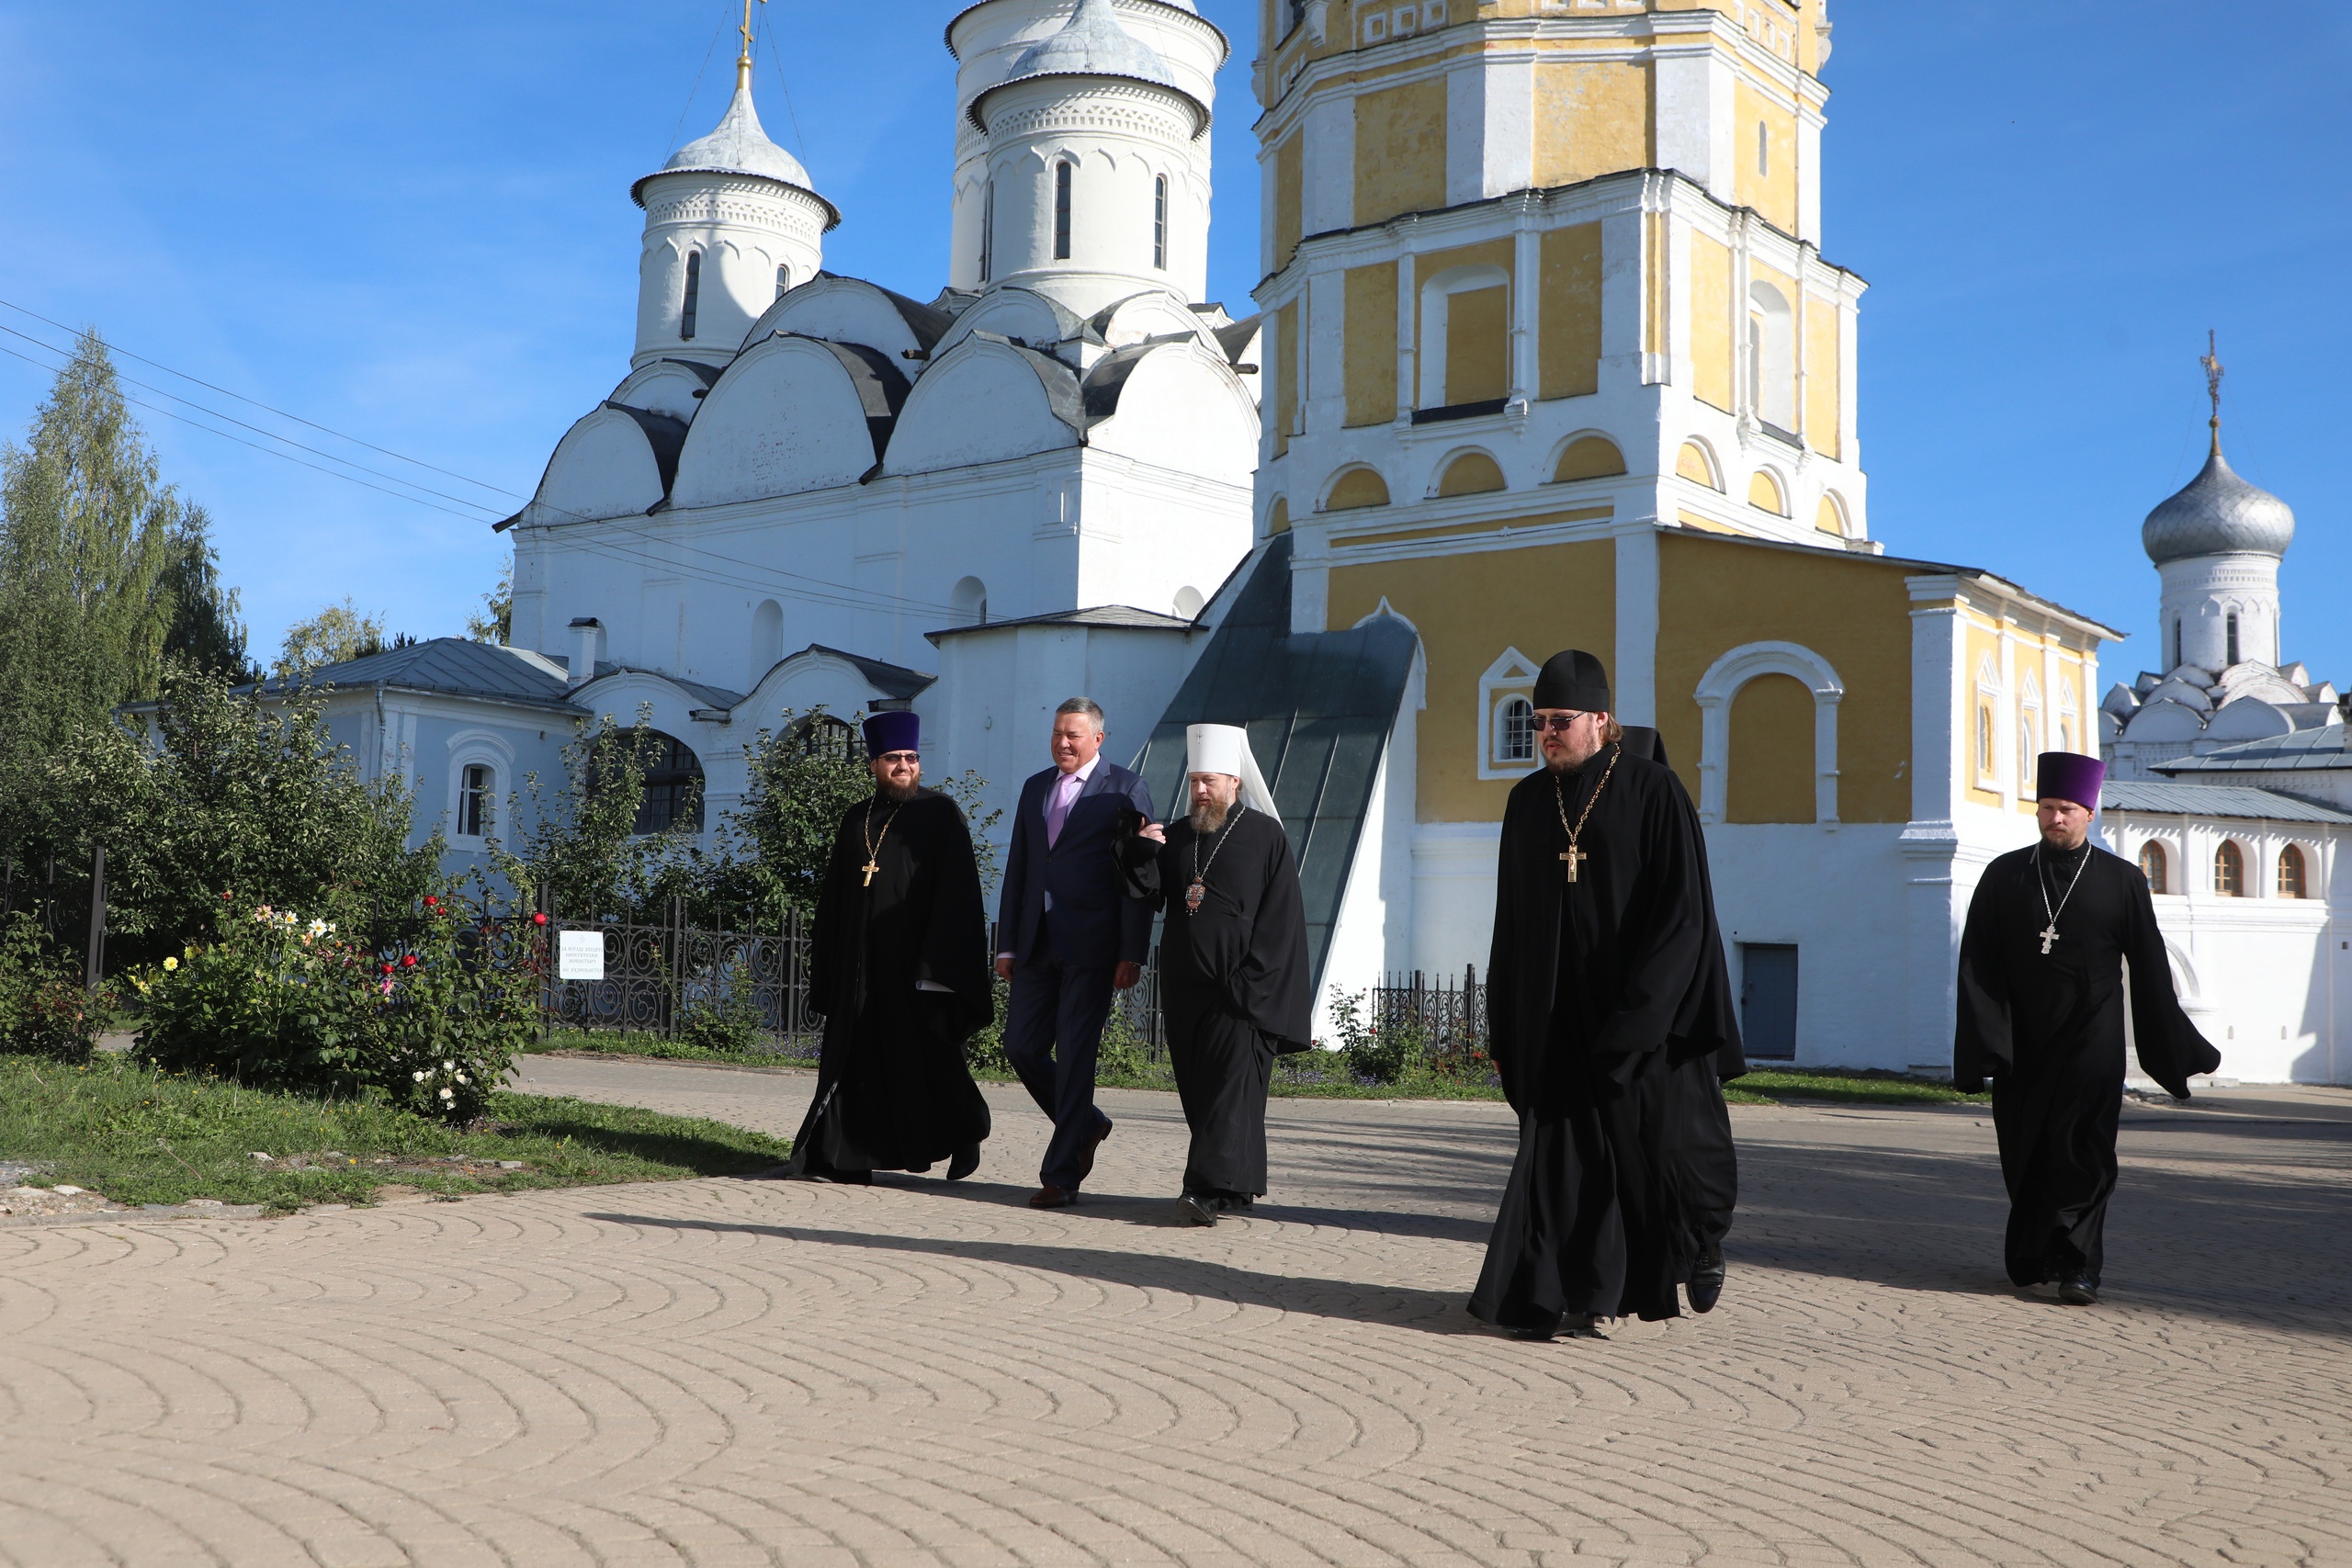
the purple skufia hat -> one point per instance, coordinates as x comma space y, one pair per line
897, 730
2069, 775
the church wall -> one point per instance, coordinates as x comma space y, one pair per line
1370, 348
1591, 118
1570, 326
1401, 150
1770, 186
1711, 322
1824, 377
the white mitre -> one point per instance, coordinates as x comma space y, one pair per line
1224, 749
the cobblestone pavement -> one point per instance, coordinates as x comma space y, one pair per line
739, 1373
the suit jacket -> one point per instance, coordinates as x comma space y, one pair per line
1095, 925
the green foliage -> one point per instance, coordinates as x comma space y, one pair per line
804, 779
44, 1011
86, 543
582, 846
725, 1017
1367, 1051
432, 1021
338, 632
496, 621
142, 1135
235, 795
205, 633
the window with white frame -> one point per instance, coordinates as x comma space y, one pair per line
1988, 703
477, 800
1507, 717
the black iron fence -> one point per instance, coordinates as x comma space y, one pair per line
66, 897
658, 972
1449, 1011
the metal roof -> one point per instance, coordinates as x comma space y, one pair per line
1122, 617
2213, 800
2304, 751
1318, 707
2218, 513
448, 666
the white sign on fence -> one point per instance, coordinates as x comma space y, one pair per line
580, 955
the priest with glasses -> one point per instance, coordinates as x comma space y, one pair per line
2061, 937
1609, 1018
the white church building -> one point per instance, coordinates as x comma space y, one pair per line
1548, 355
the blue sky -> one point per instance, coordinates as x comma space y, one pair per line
410, 223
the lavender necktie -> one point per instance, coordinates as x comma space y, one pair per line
1058, 809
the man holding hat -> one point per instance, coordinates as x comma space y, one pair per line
2041, 998
1609, 1018
898, 964
1233, 965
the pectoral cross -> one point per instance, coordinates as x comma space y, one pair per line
1572, 859
2049, 935
870, 867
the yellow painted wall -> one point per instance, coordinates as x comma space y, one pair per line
1771, 777
1473, 473
1775, 192
1400, 151
1285, 370
1690, 463
1478, 346
1290, 197
1568, 327
1712, 322
1823, 367
1469, 608
1357, 487
1370, 343
1764, 495
1278, 517
1589, 458
1591, 118
1826, 518
1716, 593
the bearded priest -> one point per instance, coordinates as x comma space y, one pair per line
1609, 1018
2050, 931
1233, 963
898, 965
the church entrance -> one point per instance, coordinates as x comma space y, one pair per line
1767, 1001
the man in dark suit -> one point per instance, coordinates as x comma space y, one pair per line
1067, 937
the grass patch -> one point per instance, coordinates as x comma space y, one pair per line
660, 1048
1776, 1086
141, 1136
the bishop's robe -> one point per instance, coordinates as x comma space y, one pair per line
898, 965
1234, 984
2047, 1028
1610, 1019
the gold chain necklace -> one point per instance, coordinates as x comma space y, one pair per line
1199, 889
874, 841
1576, 856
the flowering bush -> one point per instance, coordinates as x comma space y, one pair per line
43, 1009
431, 1015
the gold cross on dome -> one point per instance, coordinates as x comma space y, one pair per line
746, 28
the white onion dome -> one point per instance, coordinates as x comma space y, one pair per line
1093, 44
2218, 513
740, 146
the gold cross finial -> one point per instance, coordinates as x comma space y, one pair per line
2214, 372
744, 61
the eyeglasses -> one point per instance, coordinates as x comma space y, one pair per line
1557, 723
899, 757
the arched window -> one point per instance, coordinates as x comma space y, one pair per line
767, 640
1763, 148
477, 797
2176, 643
694, 295
988, 229
2233, 625
2229, 871
1063, 171
969, 599
2153, 867
1771, 357
783, 281
673, 796
1514, 731
1984, 740
2291, 883
822, 735
1160, 223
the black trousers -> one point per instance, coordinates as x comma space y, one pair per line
1223, 1067
1053, 1029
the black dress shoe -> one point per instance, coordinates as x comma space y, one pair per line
1195, 1210
2075, 1289
1086, 1156
1706, 1286
965, 1161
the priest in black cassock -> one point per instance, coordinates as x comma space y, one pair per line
898, 965
1233, 965
1610, 1019
2050, 932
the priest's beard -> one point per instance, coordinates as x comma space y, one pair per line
898, 792
1209, 816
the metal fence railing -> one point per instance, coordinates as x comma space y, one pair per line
1449, 1011
663, 974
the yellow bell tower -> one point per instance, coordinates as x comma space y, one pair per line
1549, 264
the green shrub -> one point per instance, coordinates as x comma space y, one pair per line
44, 1011
726, 1017
1367, 1051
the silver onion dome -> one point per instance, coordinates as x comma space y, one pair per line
2218, 513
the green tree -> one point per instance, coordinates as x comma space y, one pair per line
338, 632
87, 525
580, 842
205, 633
496, 621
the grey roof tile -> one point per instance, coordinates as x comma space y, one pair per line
2301, 751
2214, 800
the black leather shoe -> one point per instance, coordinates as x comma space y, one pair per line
2075, 1289
1195, 1210
965, 1161
1706, 1286
1086, 1156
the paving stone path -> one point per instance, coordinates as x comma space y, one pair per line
747, 1372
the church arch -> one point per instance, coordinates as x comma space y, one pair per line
1830, 517
767, 640
1588, 454
1771, 357
2157, 866
2294, 879
2029, 735
690, 305
2229, 871
1696, 462
1722, 683
1767, 492
1355, 486
1278, 516
969, 599
1508, 747
1468, 472
1464, 337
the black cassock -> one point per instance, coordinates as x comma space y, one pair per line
1609, 1018
1233, 984
893, 1089
2048, 1030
